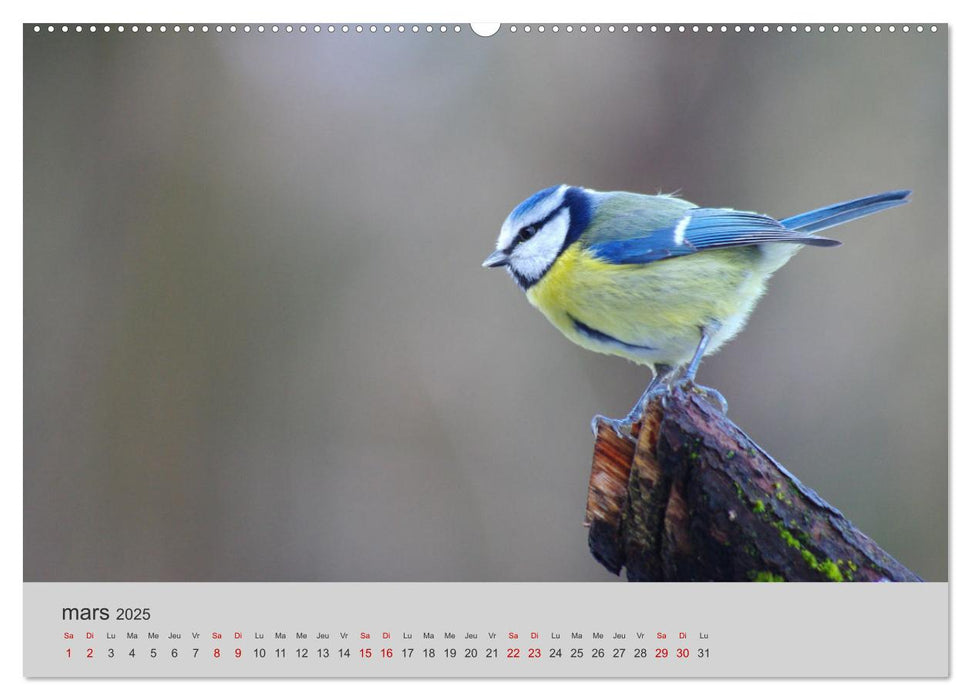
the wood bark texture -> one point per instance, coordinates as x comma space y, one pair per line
693, 498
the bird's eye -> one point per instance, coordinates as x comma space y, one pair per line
526, 233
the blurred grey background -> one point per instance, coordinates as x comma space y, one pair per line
258, 344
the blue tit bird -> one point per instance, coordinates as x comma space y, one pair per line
653, 278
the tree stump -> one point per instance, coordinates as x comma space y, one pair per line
695, 499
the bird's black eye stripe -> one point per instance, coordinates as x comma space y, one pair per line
527, 232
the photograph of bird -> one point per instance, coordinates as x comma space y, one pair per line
653, 278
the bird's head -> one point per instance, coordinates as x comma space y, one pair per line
538, 230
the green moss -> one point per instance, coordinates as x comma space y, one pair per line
730, 454
758, 506
765, 577
827, 567
787, 537
848, 568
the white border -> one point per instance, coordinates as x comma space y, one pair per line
11, 302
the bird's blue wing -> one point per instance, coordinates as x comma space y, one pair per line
698, 230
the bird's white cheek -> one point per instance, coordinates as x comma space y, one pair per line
534, 257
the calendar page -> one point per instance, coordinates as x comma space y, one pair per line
513, 350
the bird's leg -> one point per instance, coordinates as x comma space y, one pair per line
661, 374
688, 378
622, 426
692, 370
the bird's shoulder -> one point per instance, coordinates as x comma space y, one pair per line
623, 215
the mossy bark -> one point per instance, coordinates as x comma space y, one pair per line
695, 499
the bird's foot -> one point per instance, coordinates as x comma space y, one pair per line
713, 396
621, 426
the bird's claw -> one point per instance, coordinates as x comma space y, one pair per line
713, 396
624, 426
621, 426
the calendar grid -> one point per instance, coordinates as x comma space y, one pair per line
482, 630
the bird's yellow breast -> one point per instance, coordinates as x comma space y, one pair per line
650, 313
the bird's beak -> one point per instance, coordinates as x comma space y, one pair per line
497, 259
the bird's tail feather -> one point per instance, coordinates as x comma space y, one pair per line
836, 214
